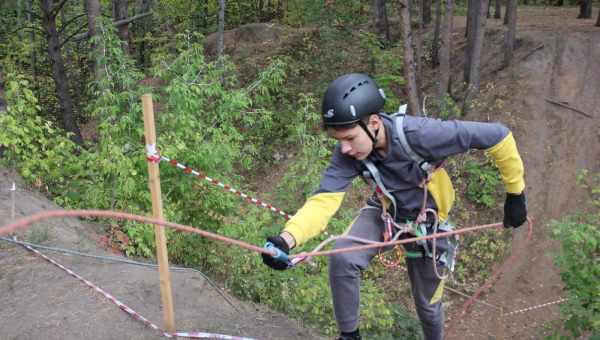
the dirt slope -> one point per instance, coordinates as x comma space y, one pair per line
40, 301
559, 60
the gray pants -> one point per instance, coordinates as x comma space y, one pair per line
345, 275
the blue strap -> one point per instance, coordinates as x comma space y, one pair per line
279, 254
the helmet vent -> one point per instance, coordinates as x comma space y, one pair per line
354, 88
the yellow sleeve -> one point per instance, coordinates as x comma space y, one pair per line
508, 161
314, 216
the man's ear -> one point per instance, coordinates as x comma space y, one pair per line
375, 121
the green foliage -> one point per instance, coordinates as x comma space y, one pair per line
206, 120
448, 109
477, 251
483, 180
34, 144
579, 262
387, 65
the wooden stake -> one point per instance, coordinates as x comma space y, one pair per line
13, 189
157, 212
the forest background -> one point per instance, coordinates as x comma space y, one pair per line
237, 87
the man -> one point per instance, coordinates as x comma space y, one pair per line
352, 115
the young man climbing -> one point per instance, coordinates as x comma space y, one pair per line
401, 155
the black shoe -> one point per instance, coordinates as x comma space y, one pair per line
350, 336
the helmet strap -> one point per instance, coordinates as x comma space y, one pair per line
371, 136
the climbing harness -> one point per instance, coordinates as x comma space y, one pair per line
444, 255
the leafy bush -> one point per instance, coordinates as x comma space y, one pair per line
482, 183
206, 120
579, 262
34, 144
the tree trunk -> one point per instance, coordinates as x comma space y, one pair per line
120, 12
498, 9
598, 20
142, 27
92, 8
221, 38
381, 21
472, 23
61, 80
487, 14
2, 100
409, 62
477, 47
505, 22
418, 46
472, 12
445, 50
67, 52
32, 55
19, 10
585, 9
426, 12
474, 76
511, 31
221, 32
435, 44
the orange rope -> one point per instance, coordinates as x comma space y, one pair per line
44, 215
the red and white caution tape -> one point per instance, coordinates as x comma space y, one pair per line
131, 312
152, 153
201, 175
524, 310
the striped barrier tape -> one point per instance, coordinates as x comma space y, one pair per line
228, 188
524, 310
135, 315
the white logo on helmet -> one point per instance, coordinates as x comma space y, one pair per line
328, 114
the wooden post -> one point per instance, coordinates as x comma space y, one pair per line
13, 189
157, 212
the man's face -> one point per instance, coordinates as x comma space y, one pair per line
354, 141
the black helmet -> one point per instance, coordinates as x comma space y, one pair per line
350, 98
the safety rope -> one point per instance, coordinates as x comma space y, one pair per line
508, 262
154, 157
500, 269
135, 315
44, 215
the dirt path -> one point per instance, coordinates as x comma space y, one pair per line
40, 301
555, 143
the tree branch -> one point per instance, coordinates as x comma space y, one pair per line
55, 8
116, 24
26, 28
130, 19
76, 33
565, 105
81, 36
64, 26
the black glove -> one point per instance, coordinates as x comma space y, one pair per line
281, 245
515, 210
